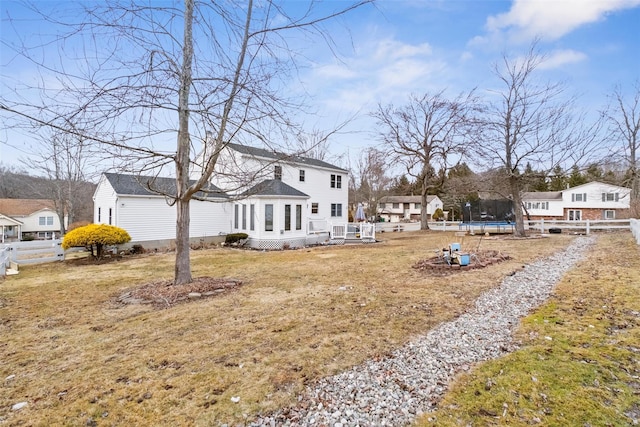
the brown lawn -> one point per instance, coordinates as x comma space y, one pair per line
78, 356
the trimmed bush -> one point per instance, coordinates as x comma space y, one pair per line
94, 237
235, 238
438, 214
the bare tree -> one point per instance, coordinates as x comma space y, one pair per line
528, 121
148, 84
623, 116
427, 136
63, 160
370, 179
10, 182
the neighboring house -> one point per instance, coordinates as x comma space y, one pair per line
11, 229
28, 218
277, 200
130, 202
591, 201
290, 199
406, 208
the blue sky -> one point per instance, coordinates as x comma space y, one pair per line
399, 47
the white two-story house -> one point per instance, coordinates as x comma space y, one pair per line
281, 200
278, 200
406, 208
591, 201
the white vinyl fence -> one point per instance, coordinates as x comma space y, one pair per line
587, 226
34, 252
635, 228
4, 261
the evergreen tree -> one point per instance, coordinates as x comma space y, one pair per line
576, 178
558, 180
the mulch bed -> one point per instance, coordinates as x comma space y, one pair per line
164, 294
438, 266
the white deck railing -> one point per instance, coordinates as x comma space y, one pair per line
353, 231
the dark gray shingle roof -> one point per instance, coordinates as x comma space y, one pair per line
273, 187
261, 152
137, 185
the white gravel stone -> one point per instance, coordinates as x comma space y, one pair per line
393, 390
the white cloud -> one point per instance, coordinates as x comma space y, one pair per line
551, 20
335, 71
562, 57
389, 50
382, 70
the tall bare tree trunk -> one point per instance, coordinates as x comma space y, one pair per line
514, 185
183, 264
424, 192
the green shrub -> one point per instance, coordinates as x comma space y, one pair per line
438, 214
94, 237
235, 238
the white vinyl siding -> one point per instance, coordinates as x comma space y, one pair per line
206, 218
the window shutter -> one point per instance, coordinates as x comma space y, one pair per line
604, 197
573, 197
584, 197
617, 197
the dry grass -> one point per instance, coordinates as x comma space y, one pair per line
580, 360
299, 315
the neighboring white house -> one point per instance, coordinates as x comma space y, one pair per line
295, 199
593, 201
34, 218
406, 208
277, 199
132, 202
